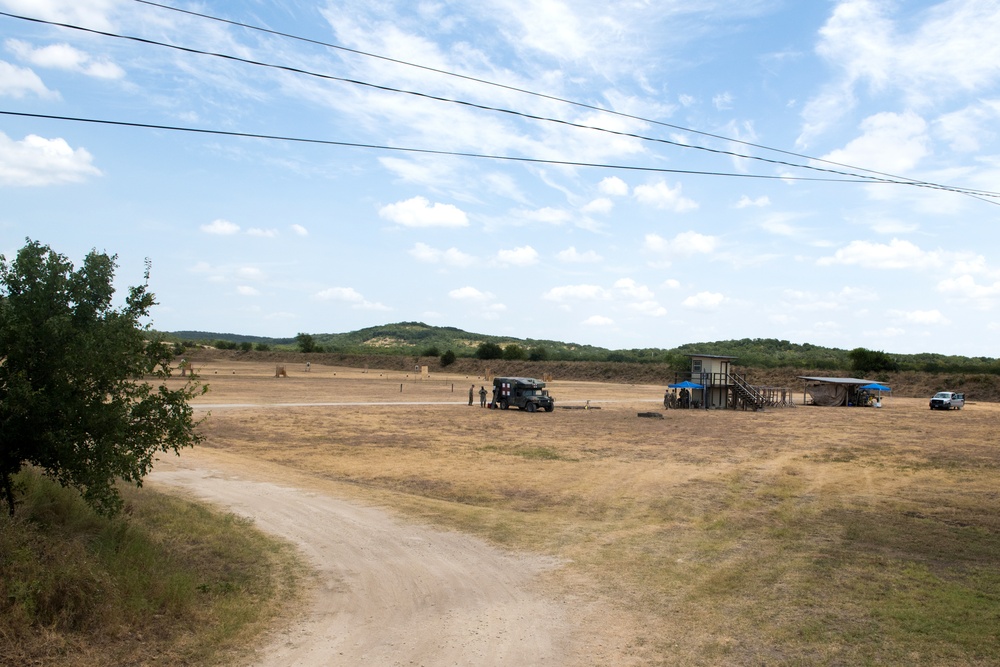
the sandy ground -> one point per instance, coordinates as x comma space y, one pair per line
386, 592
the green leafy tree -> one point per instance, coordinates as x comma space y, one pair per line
489, 351
75, 393
306, 343
514, 352
538, 354
871, 361
447, 359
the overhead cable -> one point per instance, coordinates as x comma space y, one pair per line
426, 151
851, 177
296, 70
525, 91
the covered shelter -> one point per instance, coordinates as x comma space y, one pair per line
835, 391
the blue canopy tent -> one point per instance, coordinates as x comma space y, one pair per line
875, 386
687, 384
685, 399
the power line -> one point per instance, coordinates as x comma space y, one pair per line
554, 98
851, 177
426, 151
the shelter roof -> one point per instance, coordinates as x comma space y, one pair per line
711, 356
835, 380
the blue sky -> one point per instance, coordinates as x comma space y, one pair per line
272, 238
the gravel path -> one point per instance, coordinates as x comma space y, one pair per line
389, 592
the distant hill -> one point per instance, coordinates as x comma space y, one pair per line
419, 339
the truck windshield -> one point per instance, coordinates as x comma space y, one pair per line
942, 394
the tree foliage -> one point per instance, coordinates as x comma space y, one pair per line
489, 351
307, 343
447, 359
514, 352
75, 395
871, 361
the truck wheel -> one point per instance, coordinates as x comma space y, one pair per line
550, 408
504, 404
530, 407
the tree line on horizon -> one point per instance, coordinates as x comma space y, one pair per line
449, 343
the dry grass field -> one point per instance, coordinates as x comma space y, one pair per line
806, 535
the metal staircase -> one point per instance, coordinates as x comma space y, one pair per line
746, 393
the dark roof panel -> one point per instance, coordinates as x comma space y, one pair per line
836, 380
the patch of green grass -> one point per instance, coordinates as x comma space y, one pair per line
169, 578
538, 453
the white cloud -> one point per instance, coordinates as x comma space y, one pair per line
704, 301
896, 254
576, 293
450, 257
91, 13
300, 230
351, 296
780, 224
340, 294
613, 186
889, 142
65, 57
965, 288
221, 227
262, 233
661, 195
920, 316
250, 272
418, 212
597, 321
546, 215
36, 161
759, 202
966, 130
889, 226
523, 256
952, 48
571, 255
602, 205
672, 283
629, 288
470, 294
246, 290
684, 244
18, 82
723, 101
651, 308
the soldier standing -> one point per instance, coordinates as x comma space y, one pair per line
471, 387
482, 397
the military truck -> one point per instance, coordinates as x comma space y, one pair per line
524, 393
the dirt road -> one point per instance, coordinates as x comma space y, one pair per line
387, 592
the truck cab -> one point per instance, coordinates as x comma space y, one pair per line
526, 394
947, 400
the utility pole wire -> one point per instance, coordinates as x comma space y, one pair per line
859, 177
554, 98
427, 151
